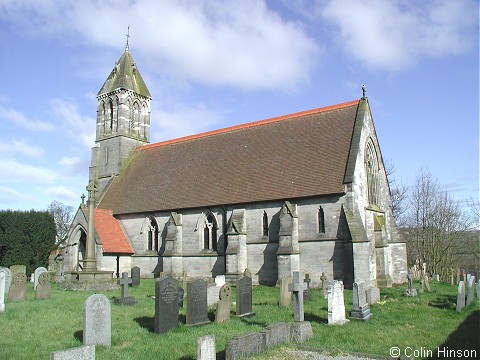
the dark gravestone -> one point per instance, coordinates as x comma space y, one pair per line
277, 334
224, 304
360, 309
124, 299
244, 297
197, 309
43, 289
166, 304
244, 345
135, 273
307, 294
18, 289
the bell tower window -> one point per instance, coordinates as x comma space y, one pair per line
321, 220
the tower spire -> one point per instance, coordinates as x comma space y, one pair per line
127, 35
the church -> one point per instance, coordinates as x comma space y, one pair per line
304, 191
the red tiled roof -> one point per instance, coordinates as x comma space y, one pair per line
110, 233
297, 155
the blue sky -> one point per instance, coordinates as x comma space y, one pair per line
212, 64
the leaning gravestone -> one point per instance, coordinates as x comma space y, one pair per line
460, 296
135, 276
285, 294
336, 304
166, 304
8, 278
18, 289
86, 352
297, 287
43, 289
97, 321
360, 309
36, 275
206, 348
124, 299
197, 308
2, 292
224, 304
244, 296
470, 290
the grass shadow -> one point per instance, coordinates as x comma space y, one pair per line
315, 318
444, 302
146, 323
464, 338
78, 335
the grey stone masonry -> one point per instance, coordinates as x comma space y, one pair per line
86, 352
97, 321
460, 296
244, 345
277, 334
224, 304
206, 348
300, 331
285, 294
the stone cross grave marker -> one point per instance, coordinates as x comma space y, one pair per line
470, 290
135, 271
297, 287
97, 321
224, 305
460, 296
285, 294
360, 309
323, 290
336, 304
410, 291
18, 289
124, 299
8, 278
307, 294
2, 291
206, 348
197, 309
244, 296
44, 288
36, 275
166, 304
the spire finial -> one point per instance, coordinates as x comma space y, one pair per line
364, 90
127, 35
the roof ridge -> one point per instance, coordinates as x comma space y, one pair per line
249, 125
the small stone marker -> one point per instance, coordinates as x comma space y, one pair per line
373, 295
135, 273
244, 345
18, 289
206, 348
8, 278
336, 304
97, 321
277, 334
298, 288
244, 295
197, 309
307, 294
166, 304
86, 352
44, 288
323, 290
460, 296
470, 290
224, 304
285, 294
360, 309
36, 275
124, 299
2, 292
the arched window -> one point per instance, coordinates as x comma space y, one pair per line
110, 103
209, 232
321, 220
371, 165
265, 223
104, 116
136, 118
152, 235
117, 106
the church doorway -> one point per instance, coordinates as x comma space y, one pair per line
82, 246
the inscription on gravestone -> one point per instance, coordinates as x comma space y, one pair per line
166, 304
18, 289
197, 309
470, 290
43, 290
36, 275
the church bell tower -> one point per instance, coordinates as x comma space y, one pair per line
123, 121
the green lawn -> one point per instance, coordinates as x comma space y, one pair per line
33, 329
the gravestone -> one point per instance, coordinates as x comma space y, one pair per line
478, 289
307, 294
197, 308
410, 291
298, 288
181, 296
8, 279
59, 277
135, 273
285, 294
124, 299
373, 295
244, 345
300, 331
360, 309
468, 278
277, 334
18, 289
206, 348
470, 290
458, 276
19, 268
86, 352
36, 275
2, 292
336, 304
224, 304
212, 294
97, 321
436, 277
166, 304
44, 288
244, 296
426, 283
460, 296
323, 289
220, 280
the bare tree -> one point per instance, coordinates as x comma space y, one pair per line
398, 192
63, 216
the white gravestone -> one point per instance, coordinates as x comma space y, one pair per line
336, 304
8, 278
36, 275
2, 292
206, 348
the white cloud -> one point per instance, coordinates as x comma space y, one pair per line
61, 192
74, 164
8, 195
397, 34
242, 44
20, 119
15, 171
22, 147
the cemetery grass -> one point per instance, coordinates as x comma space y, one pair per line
33, 329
